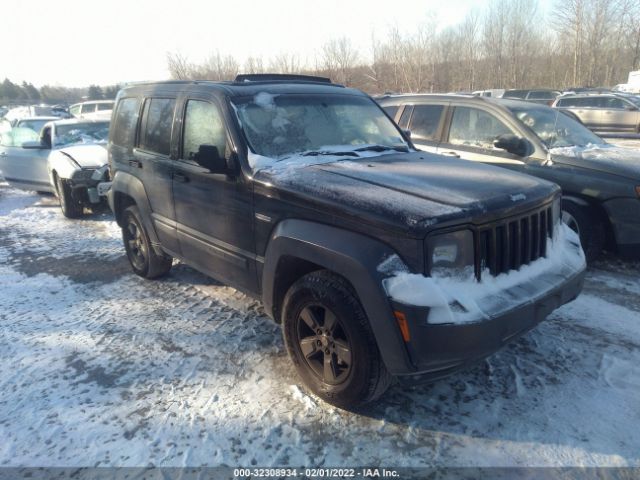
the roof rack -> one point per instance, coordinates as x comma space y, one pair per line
279, 77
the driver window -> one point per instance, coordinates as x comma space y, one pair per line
203, 125
475, 128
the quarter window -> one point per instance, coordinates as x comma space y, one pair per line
157, 119
476, 128
203, 125
406, 115
425, 121
126, 120
391, 110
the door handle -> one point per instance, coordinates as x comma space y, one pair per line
135, 163
180, 177
450, 154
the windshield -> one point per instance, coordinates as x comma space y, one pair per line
280, 126
90, 132
555, 128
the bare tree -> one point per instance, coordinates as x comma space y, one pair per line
178, 65
339, 58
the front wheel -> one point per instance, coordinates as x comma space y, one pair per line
588, 225
330, 342
70, 207
143, 259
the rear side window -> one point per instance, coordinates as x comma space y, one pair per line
88, 108
515, 94
391, 110
542, 95
406, 115
157, 119
104, 106
124, 131
203, 125
425, 121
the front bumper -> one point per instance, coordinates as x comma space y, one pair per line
438, 350
455, 321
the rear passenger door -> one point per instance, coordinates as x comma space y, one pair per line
153, 164
214, 212
471, 134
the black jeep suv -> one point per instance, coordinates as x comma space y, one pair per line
378, 260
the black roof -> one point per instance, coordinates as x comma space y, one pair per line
250, 85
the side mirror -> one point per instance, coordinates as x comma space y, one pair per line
34, 144
209, 157
513, 144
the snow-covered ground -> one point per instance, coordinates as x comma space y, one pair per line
100, 367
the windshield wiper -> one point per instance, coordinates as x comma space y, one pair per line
315, 153
382, 148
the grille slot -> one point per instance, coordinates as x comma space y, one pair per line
508, 244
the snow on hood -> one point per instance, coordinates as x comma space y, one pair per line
87, 155
602, 157
492, 295
416, 189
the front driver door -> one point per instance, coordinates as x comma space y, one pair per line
471, 135
24, 168
214, 212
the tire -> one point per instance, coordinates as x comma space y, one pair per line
143, 259
330, 342
588, 225
69, 206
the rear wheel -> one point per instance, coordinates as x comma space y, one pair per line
330, 342
589, 227
143, 259
70, 207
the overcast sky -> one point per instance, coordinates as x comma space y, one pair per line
80, 42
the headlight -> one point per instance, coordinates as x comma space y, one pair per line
451, 254
82, 175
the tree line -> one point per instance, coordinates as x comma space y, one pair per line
507, 44
27, 94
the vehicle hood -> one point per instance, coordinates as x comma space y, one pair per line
604, 158
415, 189
86, 155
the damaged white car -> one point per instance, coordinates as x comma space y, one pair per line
67, 158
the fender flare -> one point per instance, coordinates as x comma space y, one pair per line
351, 255
124, 183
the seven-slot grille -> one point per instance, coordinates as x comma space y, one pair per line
510, 243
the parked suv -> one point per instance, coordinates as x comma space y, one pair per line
600, 182
609, 112
377, 259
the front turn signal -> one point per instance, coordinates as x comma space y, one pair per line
403, 325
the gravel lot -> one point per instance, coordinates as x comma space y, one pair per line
100, 367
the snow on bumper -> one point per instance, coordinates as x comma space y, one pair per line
465, 300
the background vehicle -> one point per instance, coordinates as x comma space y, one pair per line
608, 112
93, 110
66, 158
600, 183
542, 96
304, 194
